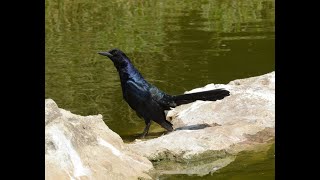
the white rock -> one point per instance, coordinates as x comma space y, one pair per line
78, 147
237, 122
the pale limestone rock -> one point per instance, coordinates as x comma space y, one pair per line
83, 147
238, 122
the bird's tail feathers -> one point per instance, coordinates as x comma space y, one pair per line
167, 125
211, 95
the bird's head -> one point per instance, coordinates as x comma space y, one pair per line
118, 57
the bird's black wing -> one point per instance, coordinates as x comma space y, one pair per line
142, 102
163, 99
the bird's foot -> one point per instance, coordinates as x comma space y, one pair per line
142, 136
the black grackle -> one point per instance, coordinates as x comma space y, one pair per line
148, 101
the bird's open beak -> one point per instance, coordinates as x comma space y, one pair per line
105, 54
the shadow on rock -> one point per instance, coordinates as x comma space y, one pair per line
193, 127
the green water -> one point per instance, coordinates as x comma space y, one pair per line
176, 45
247, 166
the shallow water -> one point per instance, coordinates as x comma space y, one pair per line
247, 165
176, 45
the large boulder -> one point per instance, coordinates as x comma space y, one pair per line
208, 134
83, 147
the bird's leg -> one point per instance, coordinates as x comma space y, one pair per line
146, 129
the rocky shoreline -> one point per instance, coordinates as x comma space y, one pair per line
208, 136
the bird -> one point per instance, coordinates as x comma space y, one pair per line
148, 101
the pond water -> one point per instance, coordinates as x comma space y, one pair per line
247, 166
176, 45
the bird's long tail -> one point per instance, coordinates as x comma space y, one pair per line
211, 95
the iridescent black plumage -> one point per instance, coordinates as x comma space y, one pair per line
148, 101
